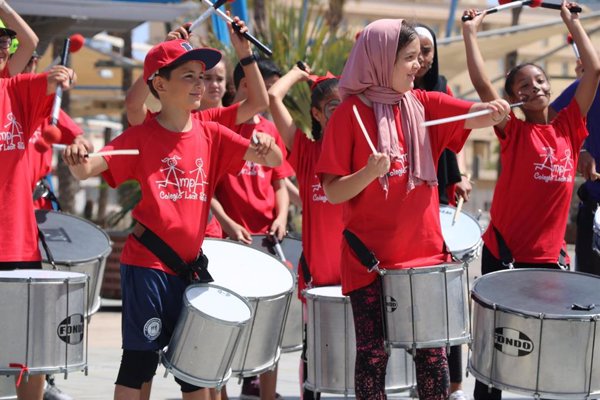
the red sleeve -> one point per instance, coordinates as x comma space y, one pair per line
338, 141
449, 91
285, 170
228, 154
570, 122
68, 128
225, 116
297, 149
121, 169
440, 105
29, 99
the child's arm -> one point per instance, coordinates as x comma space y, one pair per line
586, 91
282, 204
500, 110
281, 116
475, 63
339, 189
60, 75
232, 229
28, 40
80, 166
258, 99
263, 150
293, 193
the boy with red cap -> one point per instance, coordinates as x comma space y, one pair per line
180, 161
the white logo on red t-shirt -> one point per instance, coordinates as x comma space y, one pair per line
12, 135
553, 169
318, 192
177, 186
399, 167
252, 169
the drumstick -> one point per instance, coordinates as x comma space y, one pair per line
236, 27
465, 116
507, 4
206, 14
573, 45
459, 204
51, 133
124, 152
77, 42
364, 130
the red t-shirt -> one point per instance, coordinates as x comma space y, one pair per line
23, 106
322, 223
5, 73
533, 193
247, 196
403, 230
177, 173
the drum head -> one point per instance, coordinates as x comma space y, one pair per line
42, 275
219, 303
556, 294
464, 234
325, 291
247, 271
291, 246
72, 240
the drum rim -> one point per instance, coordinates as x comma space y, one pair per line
563, 317
80, 278
462, 212
448, 266
245, 301
105, 254
337, 299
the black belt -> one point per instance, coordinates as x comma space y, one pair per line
196, 271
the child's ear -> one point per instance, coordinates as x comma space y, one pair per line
316, 113
158, 83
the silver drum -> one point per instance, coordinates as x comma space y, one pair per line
289, 252
43, 326
462, 234
535, 332
331, 346
596, 230
268, 285
76, 245
7, 388
206, 336
427, 306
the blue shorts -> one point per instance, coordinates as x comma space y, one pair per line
152, 302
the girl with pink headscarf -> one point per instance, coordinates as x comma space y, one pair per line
390, 198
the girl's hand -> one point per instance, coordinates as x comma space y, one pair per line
262, 143
565, 12
500, 109
61, 75
378, 165
301, 74
473, 24
75, 154
180, 33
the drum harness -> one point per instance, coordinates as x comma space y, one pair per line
194, 272
508, 260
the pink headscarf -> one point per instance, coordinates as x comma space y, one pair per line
369, 71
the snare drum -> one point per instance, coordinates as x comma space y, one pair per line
463, 237
7, 388
43, 323
427, 306
206, 336
331, 346
596, 237
268, 285
76, 245
535, 332
292, 249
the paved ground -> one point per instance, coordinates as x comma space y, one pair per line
104, 357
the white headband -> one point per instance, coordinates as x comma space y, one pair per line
421, 31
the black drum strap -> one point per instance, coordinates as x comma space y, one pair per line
46, 248
365, 256
197, 271
305, 270
505, 255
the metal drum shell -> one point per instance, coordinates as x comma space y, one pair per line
260, 345
292, 249
432, 301
463, 236
331, 347
536, 353
7, 388
202, 346
596, 232
86, 259
47, 332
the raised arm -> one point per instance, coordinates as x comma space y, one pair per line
258, 99
281, 116
586, 90
28, 40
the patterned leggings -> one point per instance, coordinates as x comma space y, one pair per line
371, 358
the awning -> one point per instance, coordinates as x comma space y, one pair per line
496, 43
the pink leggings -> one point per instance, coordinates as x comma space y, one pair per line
371, 358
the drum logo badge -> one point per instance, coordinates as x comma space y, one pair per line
390, 304
152, 328
70, 330
512, 342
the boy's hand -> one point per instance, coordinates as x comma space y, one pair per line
61, 75
474, 23
180, 33
565, 12
378, 165
262, 143
75, 154
240, 44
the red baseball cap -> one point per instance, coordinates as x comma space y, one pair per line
166, 53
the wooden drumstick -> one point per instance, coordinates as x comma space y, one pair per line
124, 152
364, 130
464, 116
459, 204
